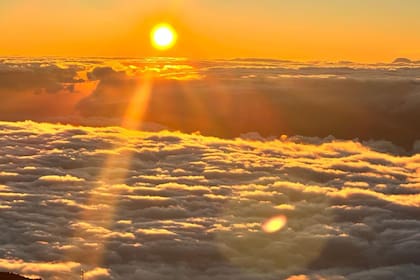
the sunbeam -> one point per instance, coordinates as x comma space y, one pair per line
98, 217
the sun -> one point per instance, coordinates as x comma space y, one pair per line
163, 36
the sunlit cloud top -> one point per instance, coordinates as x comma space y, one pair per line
124, 204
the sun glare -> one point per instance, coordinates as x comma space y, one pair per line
163, 36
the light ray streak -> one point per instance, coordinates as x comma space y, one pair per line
95, 225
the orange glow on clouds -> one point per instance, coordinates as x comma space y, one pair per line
274, 224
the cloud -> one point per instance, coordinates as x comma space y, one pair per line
125, 204
97, 273
48, 270
404, 60
223, 98
18, 76
344, 101
57, 178
38, 89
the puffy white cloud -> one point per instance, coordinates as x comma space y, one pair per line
162, 205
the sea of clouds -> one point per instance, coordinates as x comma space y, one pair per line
123, 204
223, 98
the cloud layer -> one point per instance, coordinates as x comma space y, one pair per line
224, 98
122, 204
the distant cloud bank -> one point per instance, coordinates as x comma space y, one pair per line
123, 204
224, 98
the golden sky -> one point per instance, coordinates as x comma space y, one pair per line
369, 30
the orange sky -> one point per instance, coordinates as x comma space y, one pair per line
369, 30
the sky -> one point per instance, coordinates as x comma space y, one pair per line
367, 31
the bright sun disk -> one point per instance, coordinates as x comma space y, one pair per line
163, 36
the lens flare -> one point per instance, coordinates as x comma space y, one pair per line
163, 36
274, 224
